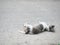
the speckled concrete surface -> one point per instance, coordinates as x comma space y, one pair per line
14, 13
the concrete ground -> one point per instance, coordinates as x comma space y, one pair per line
14, 13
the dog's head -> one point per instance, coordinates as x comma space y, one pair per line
26, 28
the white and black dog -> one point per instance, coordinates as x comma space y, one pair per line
41, 27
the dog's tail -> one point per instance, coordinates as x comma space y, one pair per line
51, 28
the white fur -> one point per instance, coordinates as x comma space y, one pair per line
45, 25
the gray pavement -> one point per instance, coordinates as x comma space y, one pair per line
14, 13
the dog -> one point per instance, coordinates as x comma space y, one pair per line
41, 27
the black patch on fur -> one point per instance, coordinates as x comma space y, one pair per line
51, 28
37, 29
45, 29
41, 27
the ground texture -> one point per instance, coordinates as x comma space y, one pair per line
14, 13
